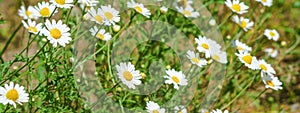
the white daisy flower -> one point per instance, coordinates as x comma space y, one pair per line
116, 28
267, 3
100, 34
88, 3
218, 55
97, 15
271, 34
271, 82
163, 9
45, 9
219, 111
62, 3
203, 111
153, 107
12, 94
241, 47
175, 78
57, 32
271, 52
188, 11
265, 67
244, 23
205, 45
32, 27
139, 8
29, 13
111, 15
128, 75
185, 3
250, 61
180, 109
87, 16
237, 6
195, 59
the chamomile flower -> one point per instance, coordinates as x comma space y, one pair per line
265, 67
97, 15
12, 94
128, 75
45, 9
219, 111
184, 3
153, 107
180, 109
139, 8
267, 3
57, 32
218, 55
271, 34
87, 16
29, 13
241, 47
88, 3
176, 78
244, 23
205, 45
32, 27
250, 61
272, 82
271, 52
111, 15
195, 59
237, 6
188, 11
100, 34
163, 9
62, 3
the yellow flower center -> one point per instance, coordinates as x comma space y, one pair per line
186, 12
108, 15
101, 36
45, 11
127, 75
175, 79
180, 112
216, 57
155, 111
98, 18
28, 13
239, 48
55, 33
205, 46
270, 83
60, 2
12, 95
138, 9
264, 0
32, 29
236, 7
243, 24
263, 67
247, 59
196, 60
272, 34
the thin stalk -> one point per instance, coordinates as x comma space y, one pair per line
15, 72
9, 41
237, 96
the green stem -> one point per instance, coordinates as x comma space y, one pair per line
15, 72
109, 63
237, 96
9, 41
